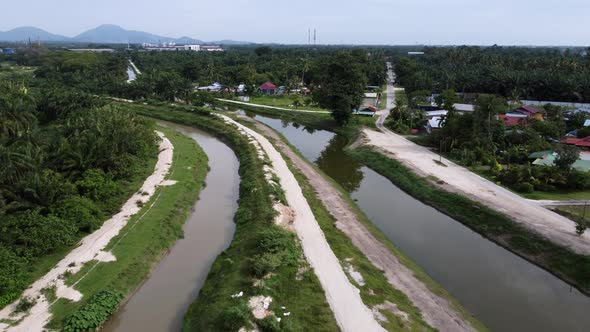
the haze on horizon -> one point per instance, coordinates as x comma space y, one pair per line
433, 22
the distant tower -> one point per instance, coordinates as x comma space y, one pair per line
314, 37
308, 37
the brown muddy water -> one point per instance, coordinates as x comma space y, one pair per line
161, 302
502, 290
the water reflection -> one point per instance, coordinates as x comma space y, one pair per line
340, 166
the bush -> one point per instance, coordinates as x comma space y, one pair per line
80, 211
25, 304
278, 248
94, 313
32, 234
100, 188
234, 318
524, 187
12, 275
269, 324
265, 263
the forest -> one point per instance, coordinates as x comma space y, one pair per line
67, 161
548, 74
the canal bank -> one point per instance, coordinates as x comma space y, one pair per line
501, 289
161, 302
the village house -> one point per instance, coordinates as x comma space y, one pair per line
268, 88
365, 110
521, 116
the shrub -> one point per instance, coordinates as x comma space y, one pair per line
265, 263
235, 317
25, 304
12, 275
269, 324
80, 211
524, 187
32, 234
95, 312
97, 185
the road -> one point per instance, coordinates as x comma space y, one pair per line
455, 178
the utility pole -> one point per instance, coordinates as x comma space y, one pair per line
314, 37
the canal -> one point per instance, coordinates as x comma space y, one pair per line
504, 291
161, 302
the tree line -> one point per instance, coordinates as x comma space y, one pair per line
512, 72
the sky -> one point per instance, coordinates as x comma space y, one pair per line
385, 22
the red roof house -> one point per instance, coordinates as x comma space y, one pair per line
511, 121
580, 142
268, 88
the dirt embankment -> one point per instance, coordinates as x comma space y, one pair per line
436, 311
344, 299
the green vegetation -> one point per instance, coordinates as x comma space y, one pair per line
97, 310
573, 268
577, 213
287, 101
527, 73
12, 72
143, 241
258, 247
65, 166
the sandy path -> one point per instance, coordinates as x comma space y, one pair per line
435, 310
90, 248
343, 298
271, 107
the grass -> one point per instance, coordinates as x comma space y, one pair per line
147, 236
232, 270
571, 267
558, 195
284, 101
575, 212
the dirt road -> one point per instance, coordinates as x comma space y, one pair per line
436, 311
344, 299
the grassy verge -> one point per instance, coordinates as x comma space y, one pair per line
569, 266
290, 284
284, 101
577, 213
148, 234
559, 195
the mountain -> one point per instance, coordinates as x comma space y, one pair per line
108, 33
104, 34
24, 33
230, 42
187, 40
